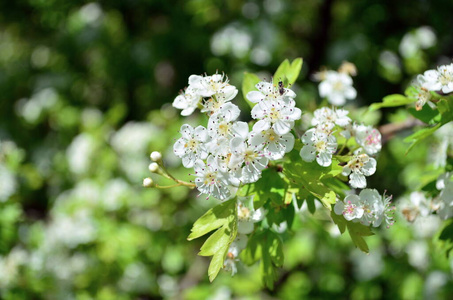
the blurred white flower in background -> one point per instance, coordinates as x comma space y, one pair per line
131, 143
9, 266
418, 256
413, 41
367, 265
80, 153
40, 102
233, 39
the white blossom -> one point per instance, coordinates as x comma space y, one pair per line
337, 87
319, 145
280, 115
187, 101
274, 145
438, 80
192, 145
212, 180
267, 91
415, 205
368, 137
357, 168
368, 208
250, 161
331, 117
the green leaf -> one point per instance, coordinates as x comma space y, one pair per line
426, 114
224, 218
356, 231
288, 73
267, 247
392, 101
248, 85
308, 177
213, 219
418, 136
270, 186
445, 108
282, 70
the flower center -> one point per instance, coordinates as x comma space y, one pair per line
191, 144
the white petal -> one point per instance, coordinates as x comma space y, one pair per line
357, 180
308, 153
255, 96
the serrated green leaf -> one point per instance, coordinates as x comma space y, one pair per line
392, 101
223, 217
248, 84
307, 176
213, 219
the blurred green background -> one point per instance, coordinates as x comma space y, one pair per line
85, 94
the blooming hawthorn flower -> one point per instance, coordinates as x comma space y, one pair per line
270, 92
212, 180
337, 87
319, 145
235, 248
422, 94
357, 168
192, 145
438, 80
331, 117
350, 208
368, 137
368, 208
250, 161
247, 215
187, 101
208, 86
273, 144
278, 114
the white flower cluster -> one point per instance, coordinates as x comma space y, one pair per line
438, 80
362, 164
320, 143
368, 208
226, 154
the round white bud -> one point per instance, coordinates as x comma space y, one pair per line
153, 167
156, 156
148, 182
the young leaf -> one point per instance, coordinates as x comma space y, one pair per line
281, 72
392, 101
224, 218
287, 72
213, 219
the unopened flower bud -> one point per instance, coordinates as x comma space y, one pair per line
148, 182
153, 167
156, 156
